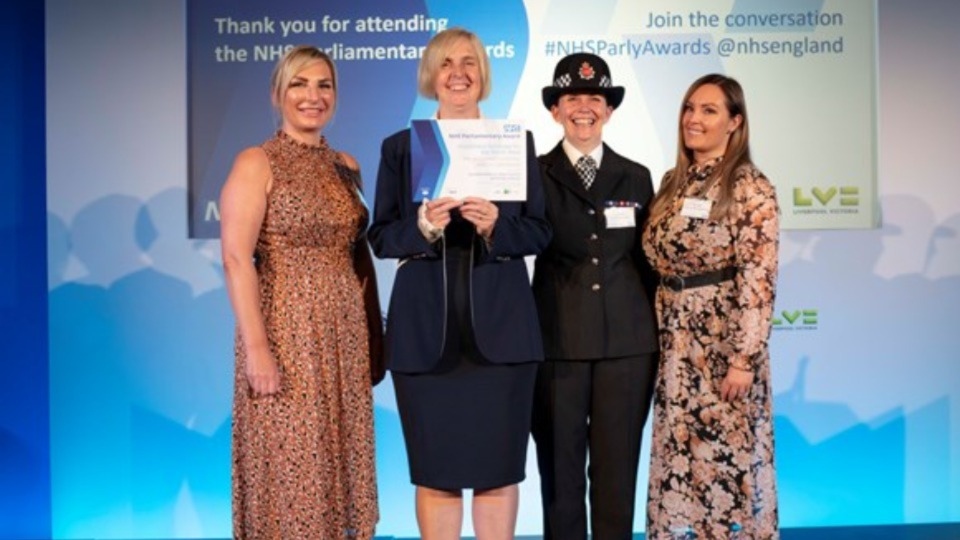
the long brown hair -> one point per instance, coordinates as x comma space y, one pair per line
736, 154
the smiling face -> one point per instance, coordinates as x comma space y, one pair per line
706, 123
582, 117
308, 102
458, 82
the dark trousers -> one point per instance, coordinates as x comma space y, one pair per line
596, 408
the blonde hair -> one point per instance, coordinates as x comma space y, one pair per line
736, 154
294, 61
436, 52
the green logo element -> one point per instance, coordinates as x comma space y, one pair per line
789, 318
849, 196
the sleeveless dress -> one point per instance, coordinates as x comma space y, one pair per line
303, 459
711, 464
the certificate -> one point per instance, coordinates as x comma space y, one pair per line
462, 158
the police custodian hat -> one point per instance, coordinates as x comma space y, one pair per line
582, 73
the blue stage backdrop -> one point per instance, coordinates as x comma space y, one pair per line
852, 108
655, 49
24, 413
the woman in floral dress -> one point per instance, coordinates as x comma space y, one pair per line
713, 236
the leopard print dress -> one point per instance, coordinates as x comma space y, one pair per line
711, 467
303, 459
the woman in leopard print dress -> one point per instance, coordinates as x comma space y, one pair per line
292, 223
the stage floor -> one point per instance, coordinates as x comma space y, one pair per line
935, 531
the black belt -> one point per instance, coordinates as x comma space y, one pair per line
679, 283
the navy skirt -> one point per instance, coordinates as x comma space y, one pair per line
466, 423
467, 428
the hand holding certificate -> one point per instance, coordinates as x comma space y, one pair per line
468, 158
482, 213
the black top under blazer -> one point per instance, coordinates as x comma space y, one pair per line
593, 285
504, 315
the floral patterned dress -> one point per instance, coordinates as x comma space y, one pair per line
303, 459
712, 467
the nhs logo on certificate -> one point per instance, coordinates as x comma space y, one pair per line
463, 158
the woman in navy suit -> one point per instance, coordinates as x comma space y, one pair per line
463, 339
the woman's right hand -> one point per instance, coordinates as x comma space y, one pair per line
243, 205
262, 373
438, 211
434, 216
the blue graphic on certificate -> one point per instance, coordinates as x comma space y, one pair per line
462, 158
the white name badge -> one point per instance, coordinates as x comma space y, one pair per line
696, 208
620, 217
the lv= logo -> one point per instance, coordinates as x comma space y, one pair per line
849, 196
806, 317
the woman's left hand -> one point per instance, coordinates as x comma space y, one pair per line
482, 214
736, 385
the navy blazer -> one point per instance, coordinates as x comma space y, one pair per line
593, 285
503, 311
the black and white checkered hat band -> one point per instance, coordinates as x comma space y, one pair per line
564, 81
